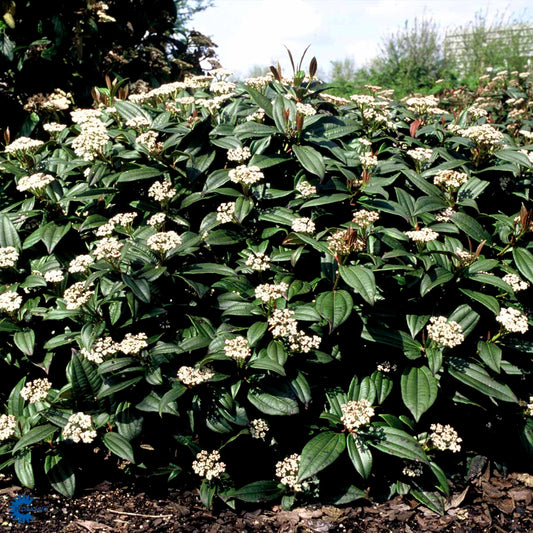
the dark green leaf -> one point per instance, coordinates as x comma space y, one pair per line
119, 445
320, 452
419, 390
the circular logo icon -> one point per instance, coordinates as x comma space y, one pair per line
19, 508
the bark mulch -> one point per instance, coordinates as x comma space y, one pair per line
489, 503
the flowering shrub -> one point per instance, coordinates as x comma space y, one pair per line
337, 286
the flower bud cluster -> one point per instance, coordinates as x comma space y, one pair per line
35, 182
364, 218
368, 160
156, 220
259, 428
191, 376
208, 465
413, 470
287, 472
306, 189
10, 301
164, 241
445, 215
307, 110
516, 283
8, 256
80, 264
343, 243
237, 348
77, 295
246, 175
484, 134
513, 320
100, 350
54, 276
282, 323
79, 428
271, 291
240, 155
226, 212
23, 145
36, 390
356, 414
7, 426
133, 344
107, 248
54, 127
300, 342
258, 261
162, 191
303, 225
422, 235
422, 155
445, 333
92, 139
149, 139
445, 438
450, 180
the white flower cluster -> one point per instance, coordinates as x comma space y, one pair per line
237, 348
356, 414
450, 180
422, 155
79, 428
149, 139
54, 127
164, 241
246, 175
10, 301
156, 220
364, 218
92, 139
222, 87
36, 390
226, 212
101, 348
342, 242
259, 428
368, 160
529, 407
445, 438
80, 264
208, 465
107, 248
191, 376
54, 276
162, 191
80, 116
477, 112
484, 134
363, 99
258, 115
465, 257
422, 235
305, 189
516, 283
7, 426
23, 145
271, 291
300, 342
123, 219
258, 82
422, 104
386, 367
35, 182
133, 344
258, 261
332, 99
58, 100
307, 110
240, 155
413, 470
282, 323
445, 333
445, 215
303, 225
8, 256
138, 122
287, 472
77, 295
513, 320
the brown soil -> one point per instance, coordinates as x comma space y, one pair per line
490, 503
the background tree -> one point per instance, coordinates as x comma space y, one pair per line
73, 44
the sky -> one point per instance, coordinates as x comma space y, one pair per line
254, 32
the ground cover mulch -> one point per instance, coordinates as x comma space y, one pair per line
490, 502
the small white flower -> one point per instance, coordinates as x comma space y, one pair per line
162, 191
513, 320
237, 348
36, 390
240, 155
303, 225
8, 256
194, 376
226, 212
445, 333
258, 261
356, 414
259, 428
10, 301
54, 276
306, 189
208, 465
164, 241
445, 438
516, 283
80, 264
271, 291
8, 424
79, 428
422, 235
